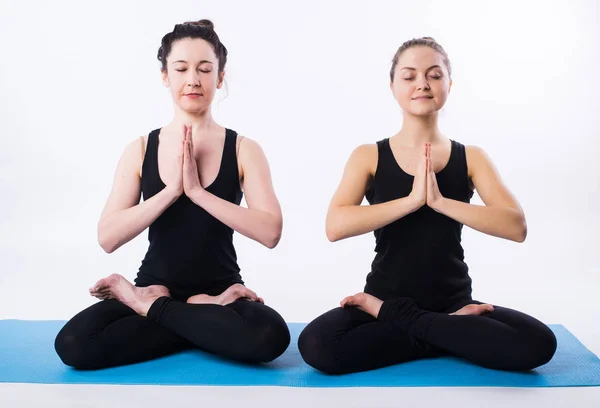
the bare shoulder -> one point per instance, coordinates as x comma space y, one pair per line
247, 147
364, 158
133, 156
248, 150
358, 173
477, 158
125, 192
474, 151
250, 155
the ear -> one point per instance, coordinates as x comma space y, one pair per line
220, 80
450, 86
392, 89
165, 77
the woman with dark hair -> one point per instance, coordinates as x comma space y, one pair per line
192, 174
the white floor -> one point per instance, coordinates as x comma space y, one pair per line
102, 396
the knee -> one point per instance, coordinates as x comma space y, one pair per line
543, 347
266, 337
318, 351
310, 346
70, 349
536, 349
273, 342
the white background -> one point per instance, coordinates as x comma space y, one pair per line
309, 81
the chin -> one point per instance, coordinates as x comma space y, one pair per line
197, 107
422, 112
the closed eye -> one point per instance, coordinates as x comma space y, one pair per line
202, 70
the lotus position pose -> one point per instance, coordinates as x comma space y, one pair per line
191, 173
417, 300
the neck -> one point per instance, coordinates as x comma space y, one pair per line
201, 122
417, 130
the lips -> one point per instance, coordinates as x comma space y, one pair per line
423, 97
193, 95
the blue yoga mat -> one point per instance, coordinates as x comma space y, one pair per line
27, 356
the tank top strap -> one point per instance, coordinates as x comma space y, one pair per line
458, 169
151, 182
152, 145
458, 158
461, 154
385, 157
229, 166
383, 147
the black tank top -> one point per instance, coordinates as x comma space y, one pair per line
191, 251
420, 255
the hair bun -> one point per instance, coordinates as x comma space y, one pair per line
204, 23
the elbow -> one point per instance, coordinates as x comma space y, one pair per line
274, 236
521, 233
105, 242
334, 227
107, 246
109, 249
272, 242
332, 232
332, 236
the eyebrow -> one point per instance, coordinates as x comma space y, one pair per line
201, 62
414, 69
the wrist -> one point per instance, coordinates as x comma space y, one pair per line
371, 304
172, 193
439, 205
413, 203
197, 195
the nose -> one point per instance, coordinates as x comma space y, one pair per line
422, 83
193, 78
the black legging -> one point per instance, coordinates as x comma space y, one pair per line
109, 334
346, 340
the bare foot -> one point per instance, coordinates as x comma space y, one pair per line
117, 287
202, 299
230, 295
475, 310
365, 302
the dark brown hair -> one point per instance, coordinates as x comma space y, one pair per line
203, 29
415, 42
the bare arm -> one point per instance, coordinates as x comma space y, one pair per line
501, 216
124, 217
346, 217
262, 221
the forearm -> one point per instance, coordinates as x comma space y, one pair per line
352, 220
257, 225
120, 227
503, 222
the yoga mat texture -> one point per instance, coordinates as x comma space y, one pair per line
27, 356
